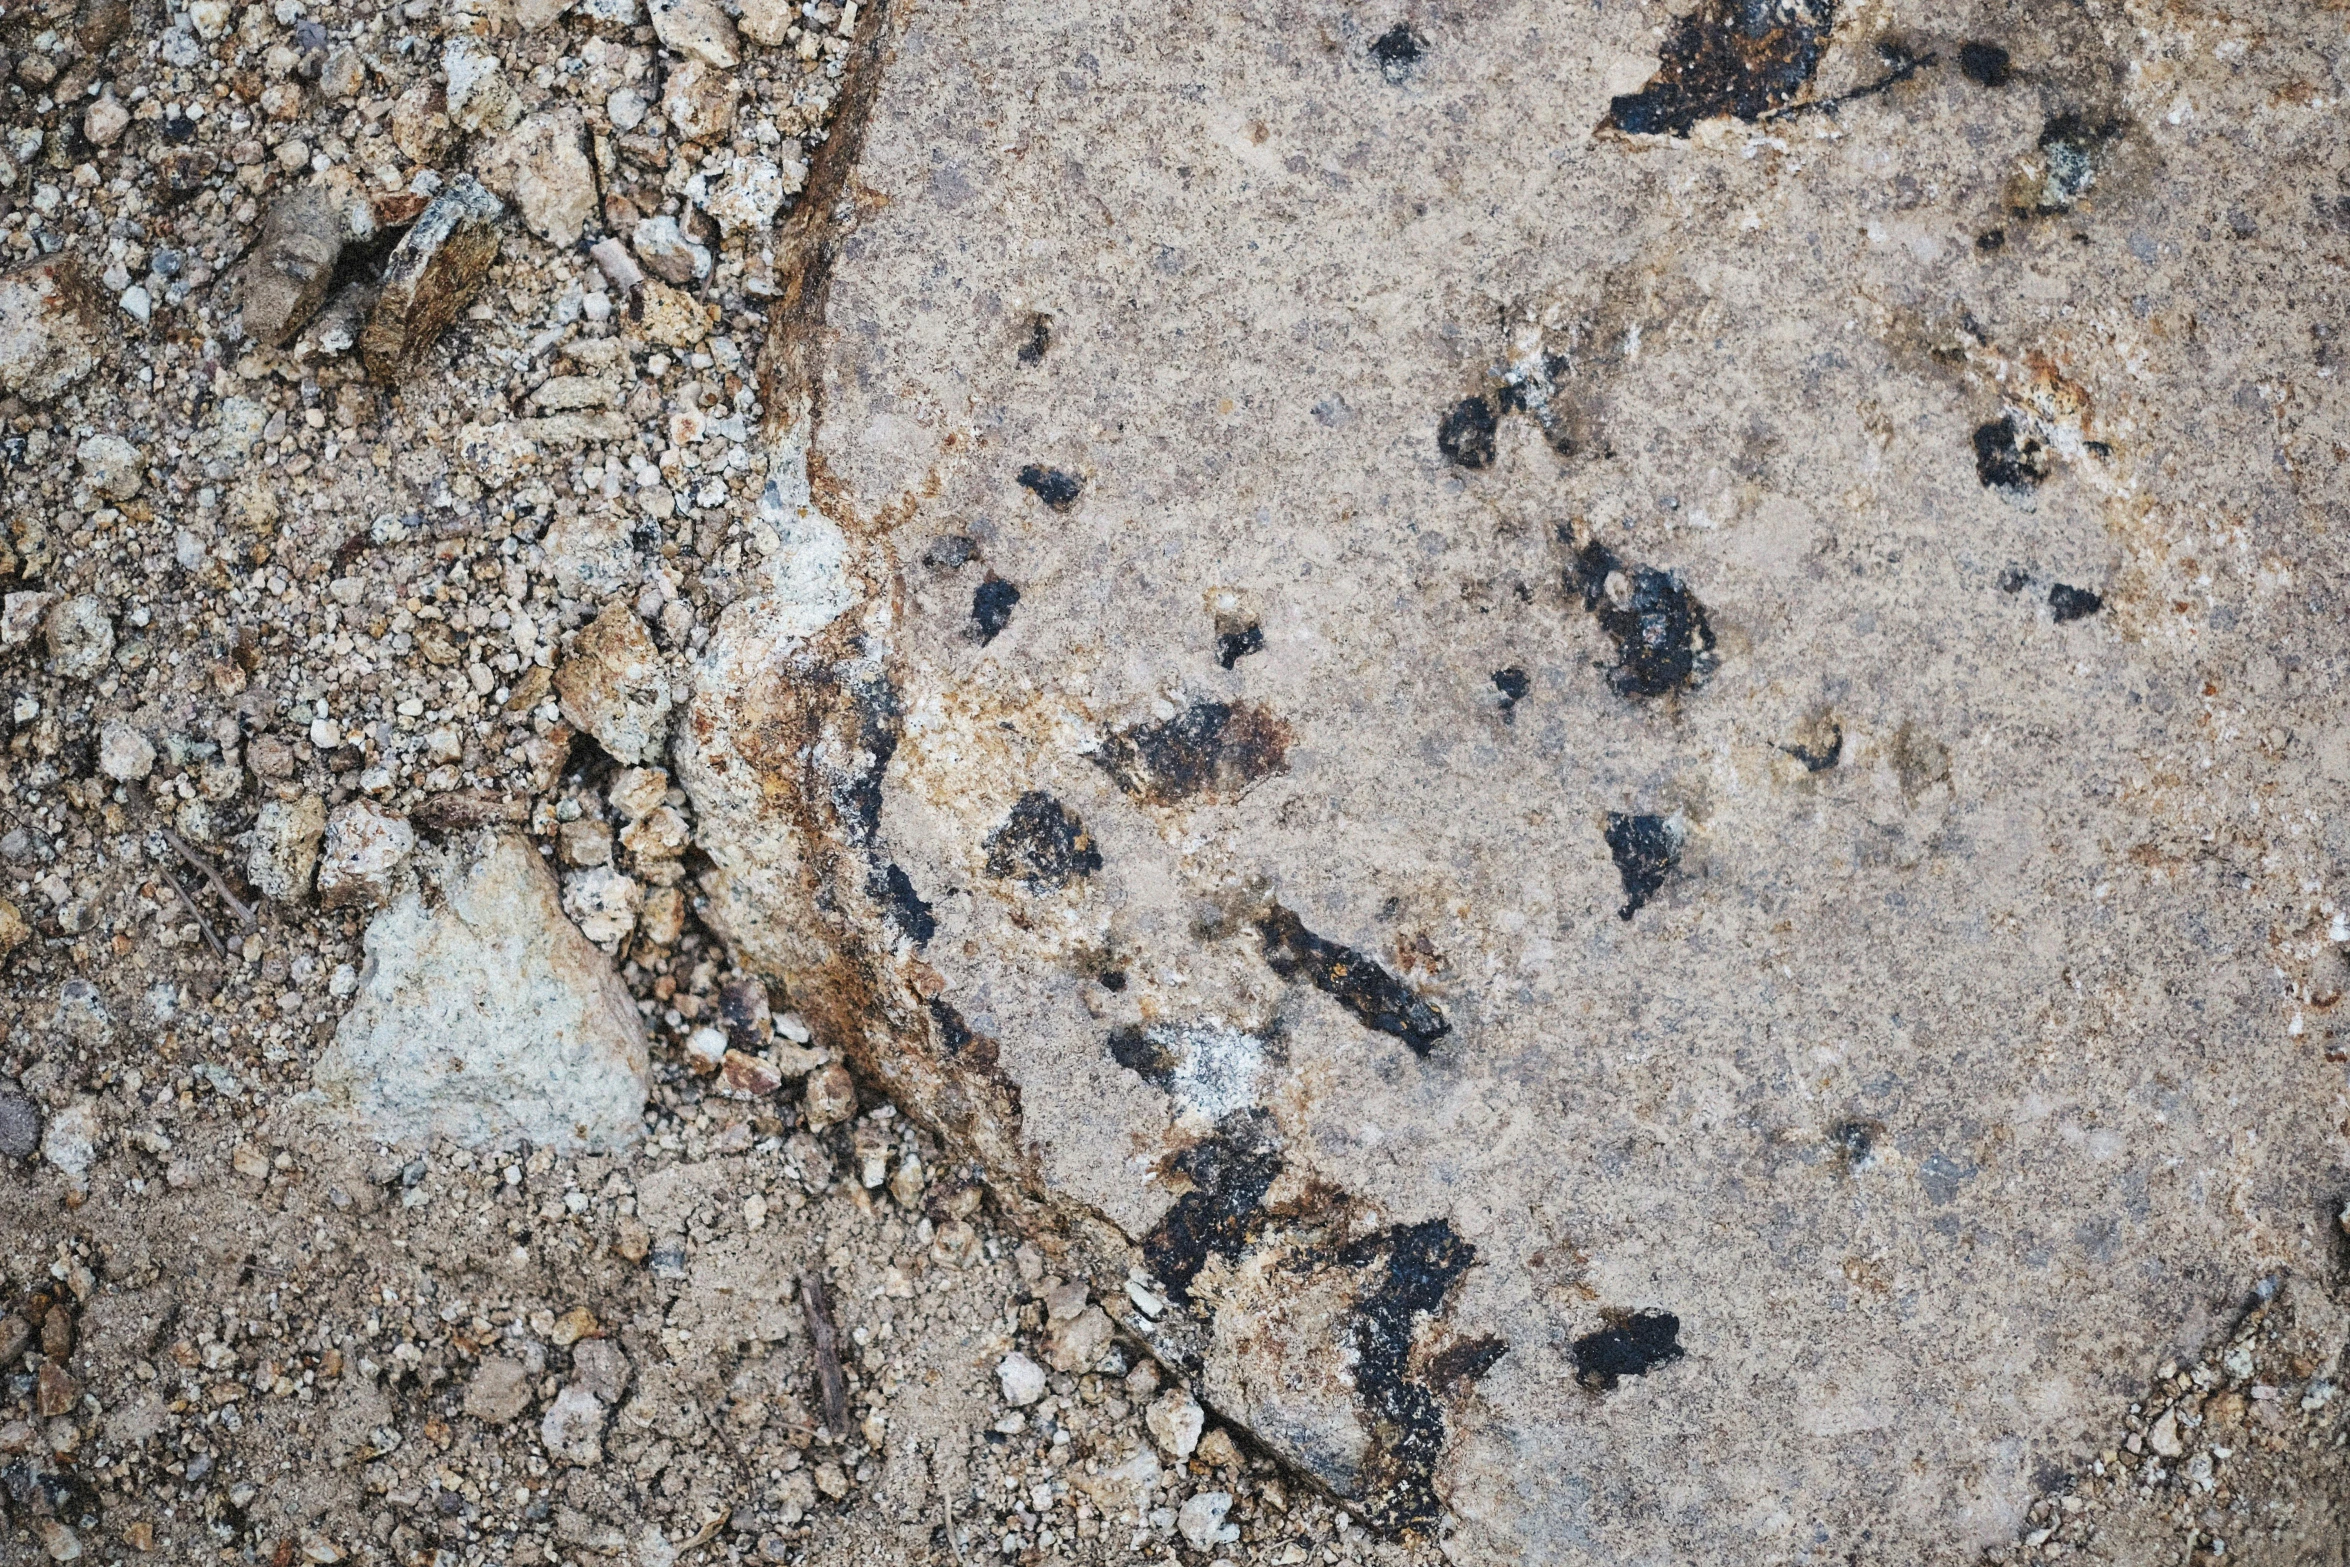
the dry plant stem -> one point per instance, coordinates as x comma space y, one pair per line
825, 1338
245, 912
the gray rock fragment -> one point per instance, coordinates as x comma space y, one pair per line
81, 637
429, 276
364, 847
291, 266
50, 329
613, 687
282, 854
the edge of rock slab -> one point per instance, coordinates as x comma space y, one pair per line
485, 1017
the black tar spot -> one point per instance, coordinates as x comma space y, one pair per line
1512, 684
1737, 57
1053, 487
1145, 1053
1377, 998
1991, 239
1043, 843
1039, 337
1465, 435
1467, 1361
991, 607
894, 890
1637, 1344
1985, 64
2012, 579
179, 130
1112, 978
1397, 50
1816, 756
2009, 458
1213, 748
1421, 1264
1229, 1172
2070, 603
1663, 640
1238, 643
1646, 848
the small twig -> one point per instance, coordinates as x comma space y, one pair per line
826, 1339
211, 936
246, 913
946, 1497
708, 1531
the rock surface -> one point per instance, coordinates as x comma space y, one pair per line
1631, 804
429, 277
483, 1016
49, 329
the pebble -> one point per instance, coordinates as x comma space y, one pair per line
752, 192
748, 1076
666, 252
603, 903
698, 29
618, 266
20, 1134
542, 164
705, 1049
637, 792
49, 329
81, 637
282, 852
700, 100
286, 275
112, 466
1201, 1520
831, 1096
1174, 1420
613, 687
429, 277
498, 1391
480, 98
573, 1429
1023, 1379
124, 754
364, 847
105, 121
71, 1141
1077, 1344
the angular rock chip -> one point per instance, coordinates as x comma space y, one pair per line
428, 278
542, 167
613, 686
485, 1017
291, 266
50, 329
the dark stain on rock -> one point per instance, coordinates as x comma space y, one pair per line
1985, 64
1397, 50
2012, 579
1821, 747
1212, 749
1036, 339
2070, 603
1857, 1141
2062, 166
991, 608
1456, 1365
1728, 57
1053, 487
1410, 1269
1646, 849
1043, 844
1513, 686
1144, 1052
961, 1044
1465, 434
1236, 642
1229, 1173
859, 794
1633, 1344
1377, 998
1991, 239
1664, 642
951, 552
2010, 458
894, 890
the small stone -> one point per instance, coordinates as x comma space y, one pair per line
282, 853
499, 1391
59, 1540
364, 847
1023, 1379
2164, 1437
768, 22
542, 165
574, 1325
600, 1366
20, 1136
618, 266
531, 15
105, 121
286, 276
480, 98
429, 276
705, 1050
752, 192
613, 687
112, 466
666, 316
748, 1076
832, 1480
81, 1014
831, 1096
81, 637
660, 835
573, 1429
344, 76
1076, 1344
603, 903
14, 932
485, 1018
1218, 1451
1064, 1301
700, 100
662, 920
50, 330
1201, 1520
1174, 1421
584, 842
124, 753
21, 615
637, 792
698, 29
666, 252
71, 1141
420, 123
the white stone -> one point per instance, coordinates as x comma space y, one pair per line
1201, 1520
666, 252
105, 121
81, 637
123, 752
21, 615
71, 1141
592, 554
751, 193
1175, 1423
626, 109
364, 847
210, 18
480, 97
48, 335
603, 902
613, 686
698, 29
1023, 1379
768, 22
484, 1017
542, 166
573, 1428
111, 466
